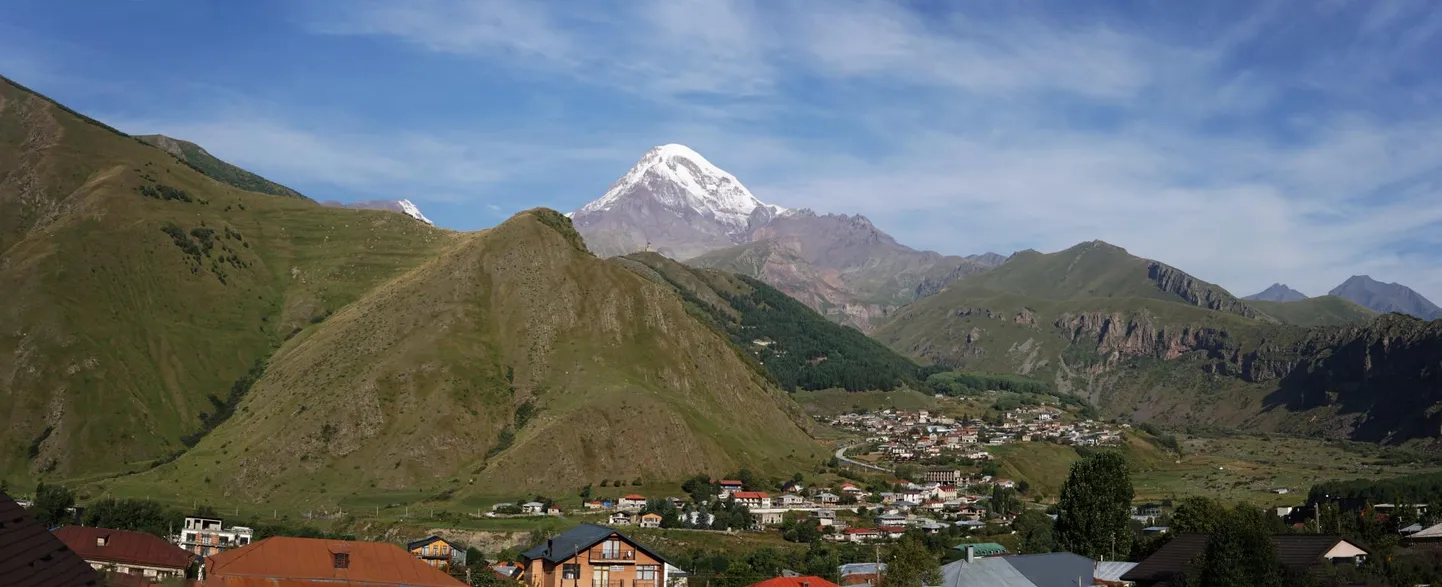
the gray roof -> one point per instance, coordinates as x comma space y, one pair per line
1112, 570
1057, 569
860, 568
579, 539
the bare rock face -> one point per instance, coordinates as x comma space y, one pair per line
1386, 297
1199, 293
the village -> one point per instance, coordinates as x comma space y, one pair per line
903, 436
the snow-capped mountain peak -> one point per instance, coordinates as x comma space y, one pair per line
410, 209
681, 179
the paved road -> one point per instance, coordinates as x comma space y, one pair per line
841, 456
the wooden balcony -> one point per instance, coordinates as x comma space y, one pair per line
603, 556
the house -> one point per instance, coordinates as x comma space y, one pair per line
595, 504
982, 549
752, 499
850, 489
437, 552
620, 519
313, 562
891, 532
1298, 552
862, 534
802, 581
30, 556
1147, 510
206, 536
768, 516
726, 487
789, 500
632, 501
1057, 569
594, 555
858, 574
650, 520
825, 498
947, 476
533, 508
126, 552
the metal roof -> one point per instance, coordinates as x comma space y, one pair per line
1112, 570
30, 556
286, 561
578, 539
124, 546
1057, 569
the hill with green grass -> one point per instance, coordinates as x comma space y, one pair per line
1318, 311
140, 293
513, 361
801, 349
1145, 341
193, 155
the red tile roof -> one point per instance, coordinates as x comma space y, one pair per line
306, 562
730, 483
634, 496
809, 581
750, 495
124, 546
30, 556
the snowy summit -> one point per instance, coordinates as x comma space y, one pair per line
410, 209
680, 179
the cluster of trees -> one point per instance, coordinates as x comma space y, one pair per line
809, 352
1164, 439
53, 502
723, 515
1423, 488
225, 408
161, 191
1023, 390
914, 560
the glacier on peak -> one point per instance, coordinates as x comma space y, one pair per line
679, 178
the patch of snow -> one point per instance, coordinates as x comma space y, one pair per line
411, 210
682, 179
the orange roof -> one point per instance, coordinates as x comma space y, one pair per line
750, 495
305, 562
809, 581
123, 546
634, 496
729, 482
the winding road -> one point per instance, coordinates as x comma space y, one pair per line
841, 456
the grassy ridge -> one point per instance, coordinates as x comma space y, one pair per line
138, 288
202, 161
512, 362
798, 347
1318, 311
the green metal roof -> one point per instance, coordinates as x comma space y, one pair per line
983, 548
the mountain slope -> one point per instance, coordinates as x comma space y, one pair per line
1145, 341
514, 361
800, 348
1318, 311
200, 159
1277, 293
403, 206
843, 266
1386, 297
139, 291
673, 201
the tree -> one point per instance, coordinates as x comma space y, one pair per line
586, 492
1035, 530
132, 514
1094, 508
51, 501
1197, 514
911, 565
1240, 552
1003, 501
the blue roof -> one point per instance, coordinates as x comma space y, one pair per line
1057, 569
860, 569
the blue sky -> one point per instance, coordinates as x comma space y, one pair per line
1246, 142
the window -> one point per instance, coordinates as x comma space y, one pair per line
647, 572
341, 560
611, 549
571, 571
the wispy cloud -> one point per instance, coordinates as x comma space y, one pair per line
1245, 142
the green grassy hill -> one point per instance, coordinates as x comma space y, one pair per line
1146, 341
1318, 311
139, 291
197, 157
513, 361
796, 345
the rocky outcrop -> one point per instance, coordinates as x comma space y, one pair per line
1199, 293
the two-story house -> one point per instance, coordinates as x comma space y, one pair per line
593, 555
205, 536
726, 487
126, 552
437, 552
752, 499
632, 501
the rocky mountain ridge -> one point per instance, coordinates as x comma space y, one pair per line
1277, 292
1386, 297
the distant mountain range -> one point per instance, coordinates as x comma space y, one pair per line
1387, 297
1277, 293
675, 202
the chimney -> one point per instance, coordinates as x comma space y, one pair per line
549, 542
970, 553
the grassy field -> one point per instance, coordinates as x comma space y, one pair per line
831, 402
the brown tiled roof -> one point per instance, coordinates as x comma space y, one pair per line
1295, 551
30, 556
810, 581
305, 562
124, 546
